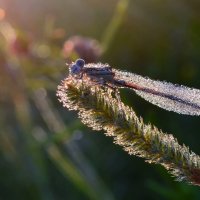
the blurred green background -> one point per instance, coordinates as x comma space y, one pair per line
45, 151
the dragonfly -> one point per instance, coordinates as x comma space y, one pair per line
172, 97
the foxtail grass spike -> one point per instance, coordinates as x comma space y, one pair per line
100, 110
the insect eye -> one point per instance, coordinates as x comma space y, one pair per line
75, 69
80, 62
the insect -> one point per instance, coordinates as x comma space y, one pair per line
172, 97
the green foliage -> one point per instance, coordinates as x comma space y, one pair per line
45, 152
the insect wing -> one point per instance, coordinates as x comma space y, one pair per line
172, 97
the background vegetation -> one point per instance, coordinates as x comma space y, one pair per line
45, 152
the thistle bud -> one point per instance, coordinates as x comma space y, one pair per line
82, 47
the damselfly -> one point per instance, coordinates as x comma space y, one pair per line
172, 97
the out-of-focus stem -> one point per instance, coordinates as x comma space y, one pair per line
62, 133
67, 168
114, 24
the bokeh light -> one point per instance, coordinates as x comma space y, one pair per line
2, 14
